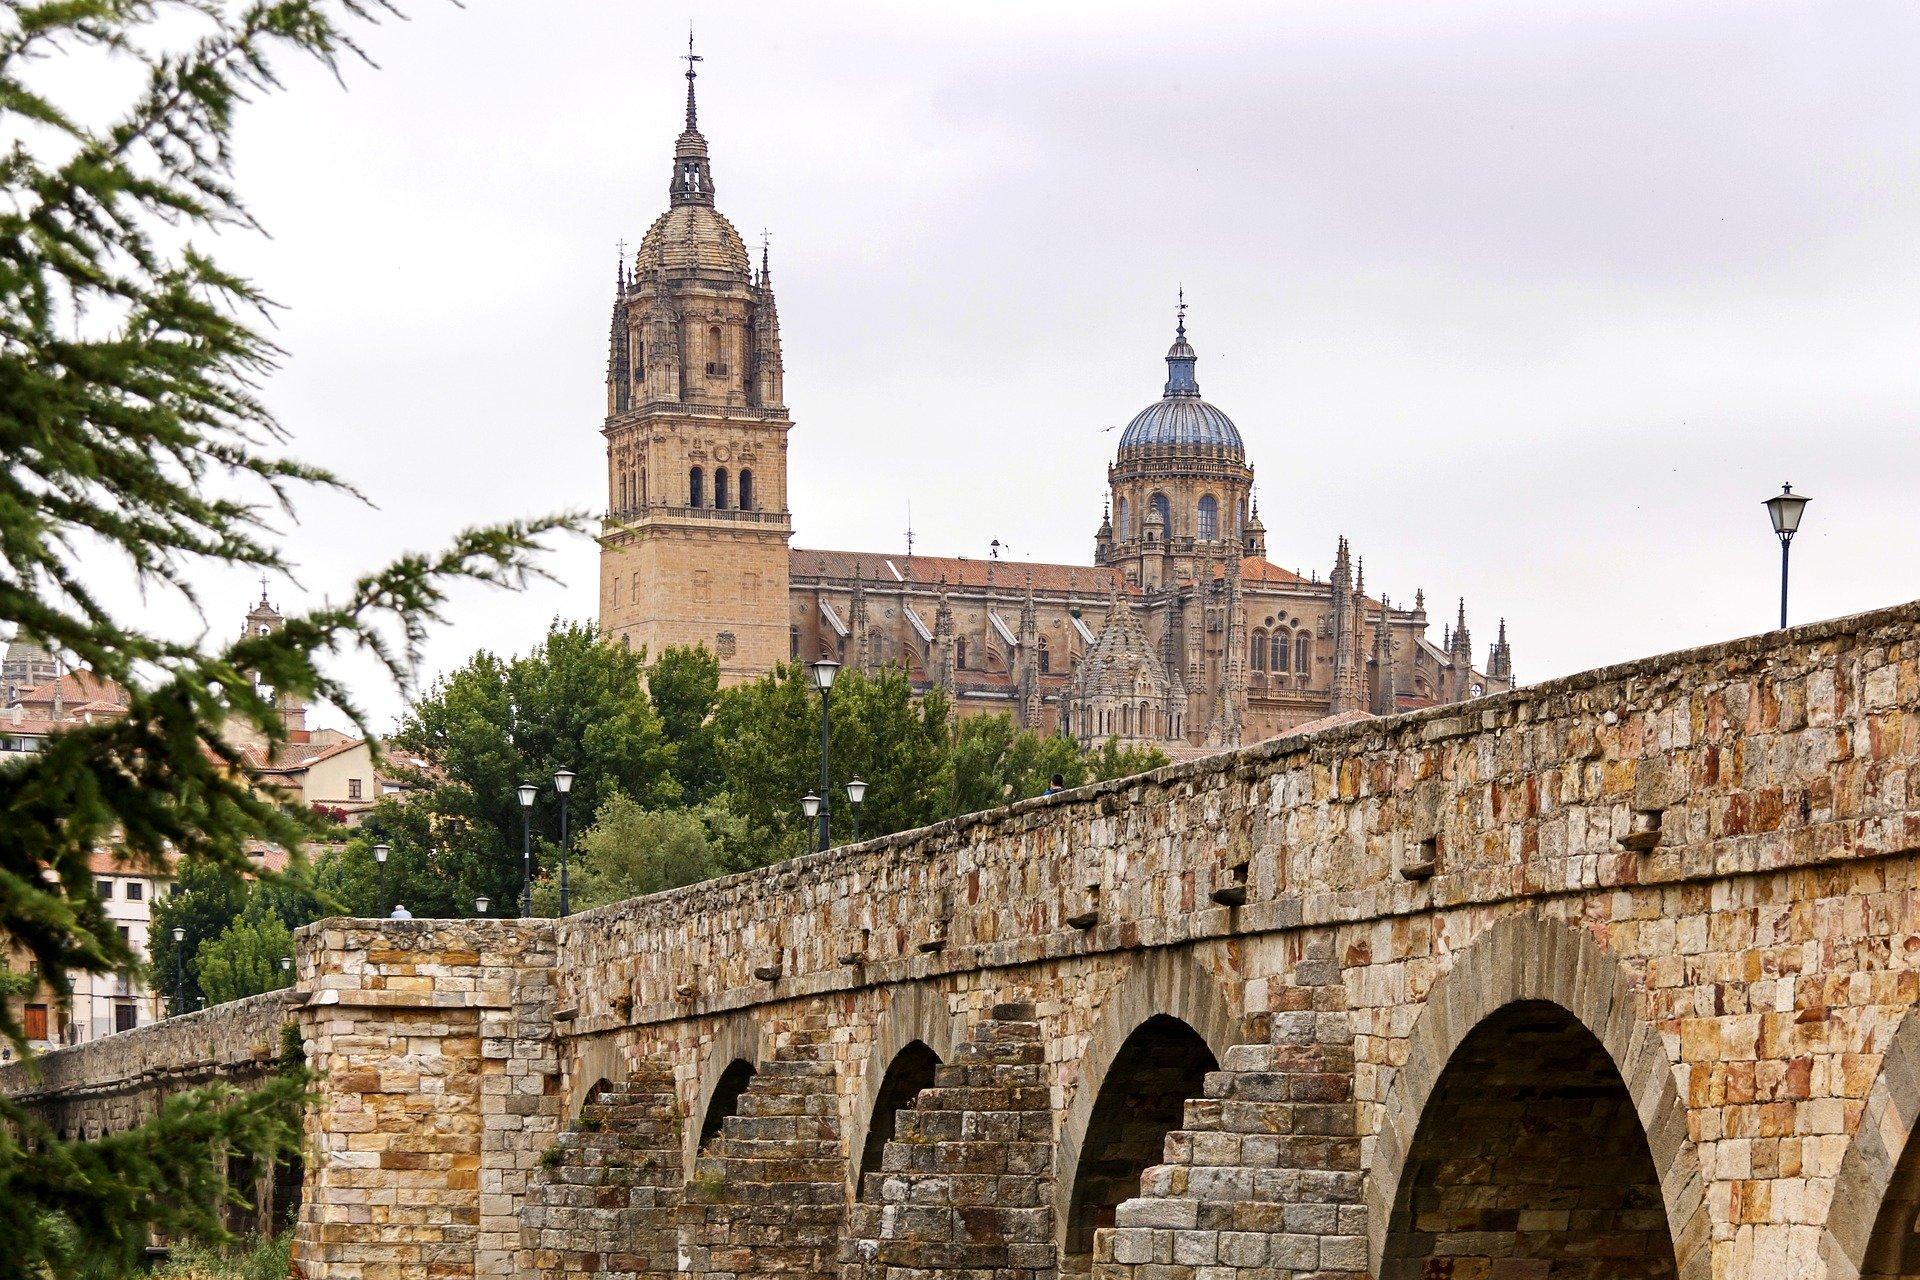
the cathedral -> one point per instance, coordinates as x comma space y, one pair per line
1180, 635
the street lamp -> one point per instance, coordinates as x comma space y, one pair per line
563, 783
1784, 509
179, 970
527, 792
823, 673
480, 904
380, 852
856, 792
286, 964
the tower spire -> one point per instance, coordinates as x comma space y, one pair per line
690, 57
692, 176
1180, 357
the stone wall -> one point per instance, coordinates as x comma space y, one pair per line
115, 1082
436, 1093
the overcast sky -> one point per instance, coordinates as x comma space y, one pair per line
1534, 303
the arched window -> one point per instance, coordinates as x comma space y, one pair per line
713, 344
1208, 518
720, 488
1302, 652
1279, 655
1046, 656
696, 487
1259, 651
960, 653
1123, 527
746, 489
640, 488
793, 643
1163, 509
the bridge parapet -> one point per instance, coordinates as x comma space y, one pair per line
117, 1081
1759, 755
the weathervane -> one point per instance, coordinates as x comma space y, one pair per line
690, 57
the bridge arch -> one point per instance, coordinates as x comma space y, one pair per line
1524, 967
1877, 1191
1168, 1006
915, 1016
737, 1040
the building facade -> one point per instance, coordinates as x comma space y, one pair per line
1181, 634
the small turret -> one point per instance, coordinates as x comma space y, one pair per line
1460, 656
1500, 660
1386, 684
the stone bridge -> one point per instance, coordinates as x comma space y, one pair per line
1608, 977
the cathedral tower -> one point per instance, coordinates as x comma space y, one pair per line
1179, 484
693, 548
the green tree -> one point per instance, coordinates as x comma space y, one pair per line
136, 444
205, 902
684, 686
629, 852
576, 702
1112, 760
994, 762
767, 736
245, 959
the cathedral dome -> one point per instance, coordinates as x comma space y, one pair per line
692, 237
1180, 418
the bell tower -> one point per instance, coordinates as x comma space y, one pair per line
693, 546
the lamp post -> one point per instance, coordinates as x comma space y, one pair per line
1784, 509
480, 904
823, 673
810, 806
563, 783
286, 966
179, 971
856, 792
380, 852
527, 792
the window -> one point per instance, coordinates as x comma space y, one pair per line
36, 1022
720, 489
1208, 518
1046, 656
746, 489
1163, 509
696, 487
1124, 526
793, 643
126, 936
1259, 651
1302, 653
106, 889
1279, 662
125, 1018
960, 653
353, 788
135, 891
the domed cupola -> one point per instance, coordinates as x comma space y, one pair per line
1180, 419
1178, 484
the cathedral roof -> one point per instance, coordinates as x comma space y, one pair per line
1180, 418
879, 569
